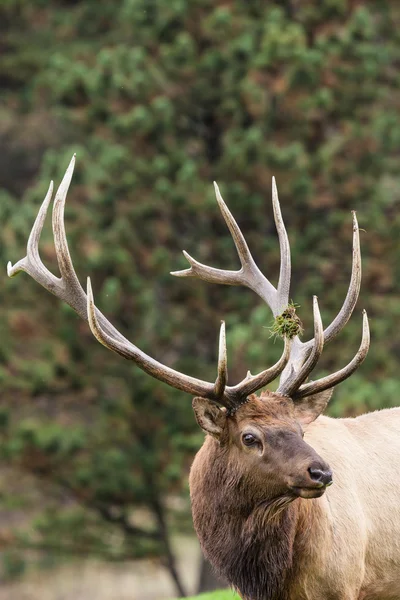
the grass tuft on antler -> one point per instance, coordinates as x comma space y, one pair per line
287, 324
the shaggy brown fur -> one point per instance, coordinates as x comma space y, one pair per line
248, 536
250, 542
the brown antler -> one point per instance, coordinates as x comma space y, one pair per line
303, 356
68, 289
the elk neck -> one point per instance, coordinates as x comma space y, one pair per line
254, 540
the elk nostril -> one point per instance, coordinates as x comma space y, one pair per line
319, 476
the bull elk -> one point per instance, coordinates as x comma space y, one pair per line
261, 506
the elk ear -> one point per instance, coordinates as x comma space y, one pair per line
209, 416
309, 408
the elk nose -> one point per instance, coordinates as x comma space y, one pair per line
320, 476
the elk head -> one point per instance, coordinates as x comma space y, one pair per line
263, 441
265, 434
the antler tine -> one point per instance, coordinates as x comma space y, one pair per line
222, 377
32, 263
354, 287
292, 383
60, 239
252, 383
249, 275
325, 383
285, 269
66, 287
352, 293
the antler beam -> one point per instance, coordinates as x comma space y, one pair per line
68, 289
303, 355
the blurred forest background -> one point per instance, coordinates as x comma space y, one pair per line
158, 98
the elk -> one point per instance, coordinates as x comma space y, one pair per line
263, 506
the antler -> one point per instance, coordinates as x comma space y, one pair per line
249, 275
303, 356
68, 289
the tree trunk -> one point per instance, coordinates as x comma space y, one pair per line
208, 581
169, 557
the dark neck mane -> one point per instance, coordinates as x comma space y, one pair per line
251, 542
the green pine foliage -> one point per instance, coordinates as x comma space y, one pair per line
158, 99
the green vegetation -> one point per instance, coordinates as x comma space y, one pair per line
218, 595
158, 99
288, 323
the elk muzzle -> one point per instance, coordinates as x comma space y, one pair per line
313, 477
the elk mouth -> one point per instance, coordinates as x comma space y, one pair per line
309, 492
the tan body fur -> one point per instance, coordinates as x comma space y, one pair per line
358, 518
345, 545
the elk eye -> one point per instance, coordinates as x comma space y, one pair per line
249, 439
